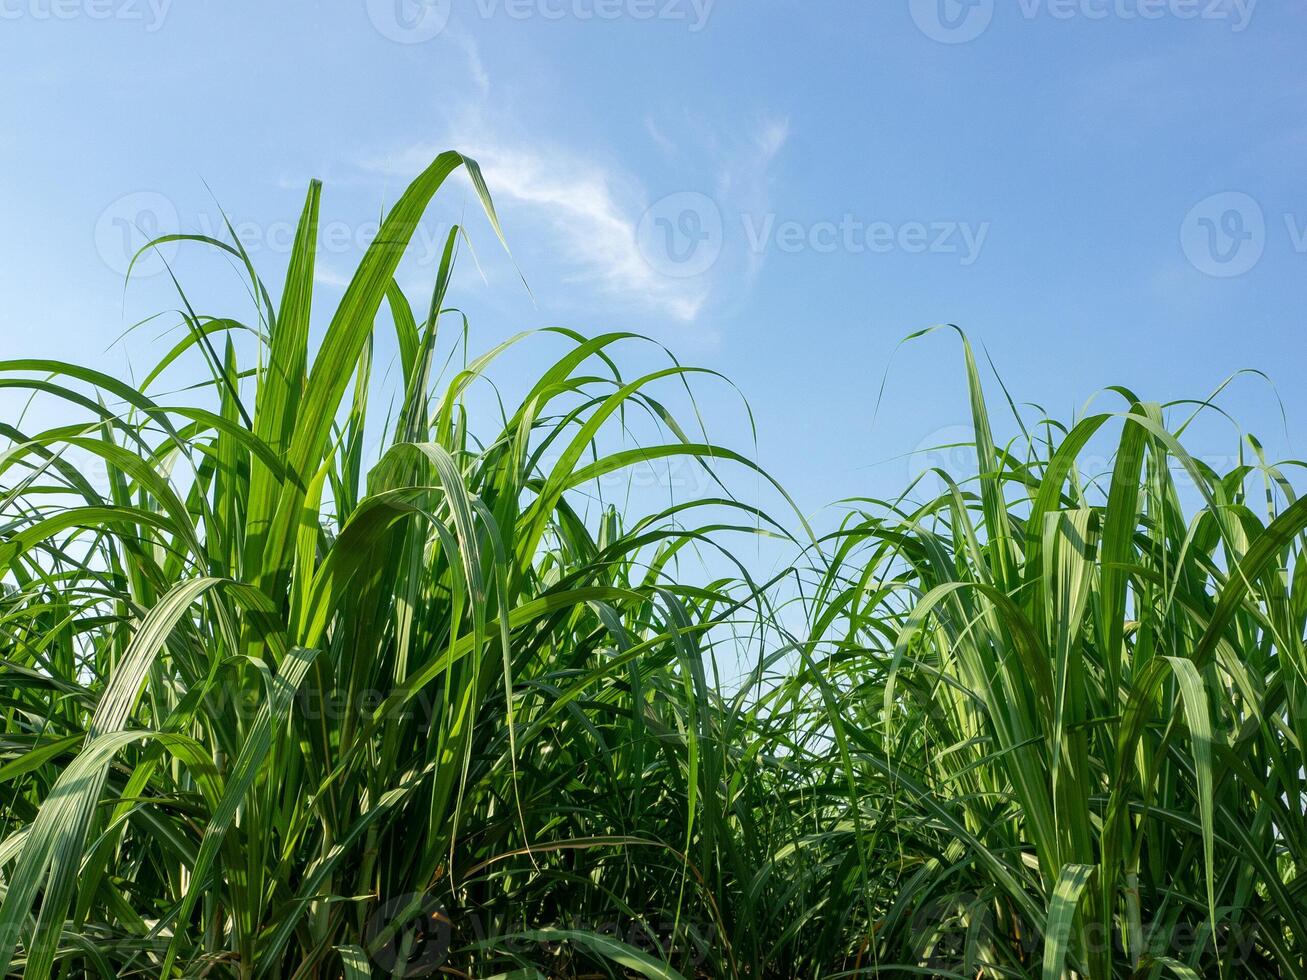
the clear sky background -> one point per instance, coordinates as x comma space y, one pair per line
1099, 191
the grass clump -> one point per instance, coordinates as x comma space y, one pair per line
277, 706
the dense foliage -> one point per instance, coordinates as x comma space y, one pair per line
277, 706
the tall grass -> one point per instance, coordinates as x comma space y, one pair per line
279, 705
1085, 707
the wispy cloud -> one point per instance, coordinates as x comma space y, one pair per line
472, 53
589, 208
771, 138
747, 177
327, 276
660, 139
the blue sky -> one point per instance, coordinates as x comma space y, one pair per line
1099, 191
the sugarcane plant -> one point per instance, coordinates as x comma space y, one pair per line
327, 676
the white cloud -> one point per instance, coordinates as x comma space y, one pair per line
746, 179
771, 139
591, 212
590, 209
656, 134
475, 68
327, 276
